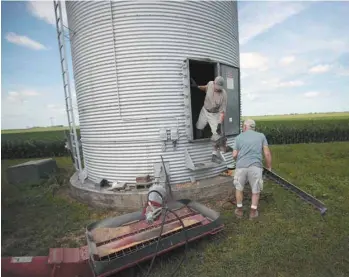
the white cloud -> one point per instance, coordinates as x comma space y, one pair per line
276, 83
44, 10
13, 93
52, 106
253, 60
56, 109
315, 93
295, 83
30, 93
342, 71
321, 68
27, 106
24, 41
12, 96
311, 94
243, 74
287, 60
252, 96
21, 96
258, 17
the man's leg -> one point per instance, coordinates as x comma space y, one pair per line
213, 120
240, 177
215, 157
201, 123
255, 178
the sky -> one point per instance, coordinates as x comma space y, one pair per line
294, 58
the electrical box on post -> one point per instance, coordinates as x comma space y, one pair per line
163, 137
174, 134
163, 134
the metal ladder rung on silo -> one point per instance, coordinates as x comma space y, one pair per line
66, 85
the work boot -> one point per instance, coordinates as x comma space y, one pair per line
239, 212
216, 159
228, 149
253, 214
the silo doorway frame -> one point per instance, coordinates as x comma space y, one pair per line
207, 70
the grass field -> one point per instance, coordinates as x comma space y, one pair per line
289, 239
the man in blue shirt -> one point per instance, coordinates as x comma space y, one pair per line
249, 148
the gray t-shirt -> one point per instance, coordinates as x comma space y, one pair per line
250, 146
215, 101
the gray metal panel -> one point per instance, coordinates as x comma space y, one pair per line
232, 86
127, 60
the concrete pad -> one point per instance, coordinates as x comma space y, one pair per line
127, 201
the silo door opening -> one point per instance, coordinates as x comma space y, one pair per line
201, 72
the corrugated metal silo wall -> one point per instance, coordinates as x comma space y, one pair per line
130, 54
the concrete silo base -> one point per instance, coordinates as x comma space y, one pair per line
217, 187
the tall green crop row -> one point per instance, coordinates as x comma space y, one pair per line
32, 149
304, 131
52, 143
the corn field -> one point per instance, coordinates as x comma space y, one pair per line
51, 143
304, 131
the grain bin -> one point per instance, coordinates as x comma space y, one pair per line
132, 64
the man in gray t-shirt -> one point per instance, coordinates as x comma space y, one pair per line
249, 148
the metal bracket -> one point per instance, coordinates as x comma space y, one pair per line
188, 161
159, 172
222, 156
163, 137
82, 175
174, 137
289, 186
198, 166
71, 30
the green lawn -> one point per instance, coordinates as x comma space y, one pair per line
289, 239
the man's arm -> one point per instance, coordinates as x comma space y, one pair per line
267, 153
203, 88
236, 148
194, 85
235, 154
